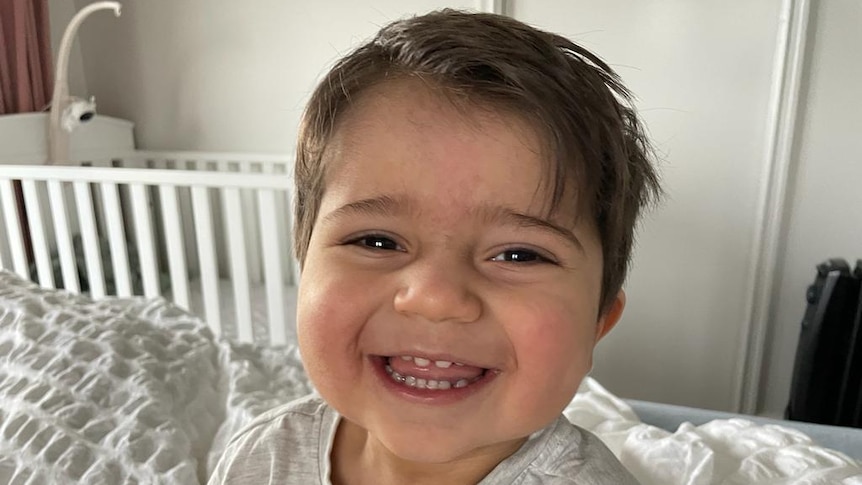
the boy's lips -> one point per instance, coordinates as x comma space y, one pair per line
429, 380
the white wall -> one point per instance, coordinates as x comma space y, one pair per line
222, 74
824, 217
226, 75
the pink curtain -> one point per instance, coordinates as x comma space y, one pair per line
26, 78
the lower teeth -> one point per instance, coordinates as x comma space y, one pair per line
411, 381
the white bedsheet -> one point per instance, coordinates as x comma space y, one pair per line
118, 390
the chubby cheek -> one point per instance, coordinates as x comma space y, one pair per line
330, 317
553, 345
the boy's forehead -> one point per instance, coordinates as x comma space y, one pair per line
422, 102
395, 105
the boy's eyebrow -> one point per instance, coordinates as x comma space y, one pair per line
506, 215
383, 205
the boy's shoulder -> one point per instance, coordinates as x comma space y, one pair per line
564, 453
310, 405
592, 462
288, 444
299, 413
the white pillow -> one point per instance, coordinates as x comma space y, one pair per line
116, 391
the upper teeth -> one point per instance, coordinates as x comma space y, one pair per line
432, 384
422, 362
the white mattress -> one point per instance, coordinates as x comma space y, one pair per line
134, 390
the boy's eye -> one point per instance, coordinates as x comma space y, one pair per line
374, 241
519, 256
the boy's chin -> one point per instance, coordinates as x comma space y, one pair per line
438, 447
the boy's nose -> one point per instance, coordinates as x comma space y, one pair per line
438, 293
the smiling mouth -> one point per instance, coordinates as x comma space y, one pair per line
425, 374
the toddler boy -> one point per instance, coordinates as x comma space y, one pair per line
467, 191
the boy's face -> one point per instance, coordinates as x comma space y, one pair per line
432, 249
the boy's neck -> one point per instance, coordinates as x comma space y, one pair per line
358, 458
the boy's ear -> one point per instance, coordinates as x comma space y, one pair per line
609, 319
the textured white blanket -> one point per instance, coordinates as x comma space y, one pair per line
100, 392
123, 391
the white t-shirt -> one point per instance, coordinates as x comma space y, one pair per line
291, 444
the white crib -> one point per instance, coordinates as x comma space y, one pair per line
208, 231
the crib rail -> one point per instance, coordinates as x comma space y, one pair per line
196, 160
160, 228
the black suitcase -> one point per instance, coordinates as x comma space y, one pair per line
826, 387
850, 398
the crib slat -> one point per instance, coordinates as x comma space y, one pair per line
13, 228
207, 258
116, 239
37, 234
272, 265
282, 224
175, 246
239, 265
64, 241
5, 250
184, 201
146, 242
287, 235
90, 240
6, 261
252, 235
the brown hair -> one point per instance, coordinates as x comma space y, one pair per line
567, 94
